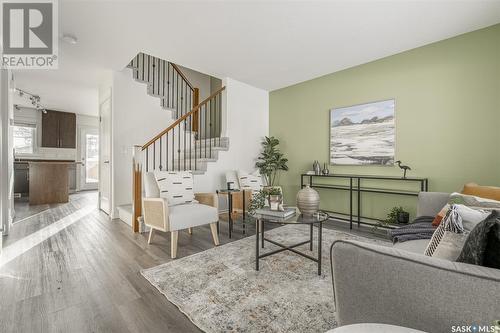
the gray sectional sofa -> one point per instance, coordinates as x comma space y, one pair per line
401, 286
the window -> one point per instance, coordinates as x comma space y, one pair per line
24, 138
92, 158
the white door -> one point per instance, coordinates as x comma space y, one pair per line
105, 156
89, 156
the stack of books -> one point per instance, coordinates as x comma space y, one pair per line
288, 212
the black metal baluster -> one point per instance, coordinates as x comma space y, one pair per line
164, 81
154, 155
210, 128
177, 95
159, 71
190, 140
184, 148
217, 108
182, 98
142, 66
179, 148
168, 84
153, 70
173, 148
160, 167
174, 98
220, 116
185, 98
166, 152
195, 149
148, 66
205, 121
147, 159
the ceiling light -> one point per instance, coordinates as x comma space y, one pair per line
70, 39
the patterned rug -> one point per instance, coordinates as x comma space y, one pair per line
220, 291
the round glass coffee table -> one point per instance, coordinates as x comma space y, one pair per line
260, 224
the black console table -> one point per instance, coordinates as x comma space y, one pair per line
355, 186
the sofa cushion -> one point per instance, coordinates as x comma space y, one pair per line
414, 246
487, 192
175, 186
151, 189
373, 328
191, 215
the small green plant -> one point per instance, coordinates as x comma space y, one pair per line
271, 160
257, 202
272, 191
259, 198
392, 217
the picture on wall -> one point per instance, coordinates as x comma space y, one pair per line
363, 134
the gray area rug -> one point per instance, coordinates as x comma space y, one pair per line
220, 291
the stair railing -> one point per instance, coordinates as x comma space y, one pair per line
166, 80
184, 144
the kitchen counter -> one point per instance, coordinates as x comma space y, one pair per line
48, 181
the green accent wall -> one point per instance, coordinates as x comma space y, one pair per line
447, 117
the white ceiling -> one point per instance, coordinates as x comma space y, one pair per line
267, 44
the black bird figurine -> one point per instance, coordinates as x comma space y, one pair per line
404, 167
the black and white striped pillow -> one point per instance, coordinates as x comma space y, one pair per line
250, 181
176, 186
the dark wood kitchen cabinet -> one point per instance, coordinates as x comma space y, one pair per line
58, 129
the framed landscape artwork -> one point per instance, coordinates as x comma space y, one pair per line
363, 134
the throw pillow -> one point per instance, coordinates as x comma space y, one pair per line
250, 181
449, 238
474, 251
176, 186
467, 200
492, 255
487, 192
440, 216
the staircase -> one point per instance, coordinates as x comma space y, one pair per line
192, 141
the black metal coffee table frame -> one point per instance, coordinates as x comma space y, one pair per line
260, 239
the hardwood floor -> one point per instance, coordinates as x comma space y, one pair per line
64, 271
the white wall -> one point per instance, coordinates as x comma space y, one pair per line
198, 80
247, 122
136, 118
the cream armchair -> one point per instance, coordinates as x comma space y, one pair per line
158, 215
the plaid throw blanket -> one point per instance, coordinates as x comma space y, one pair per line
420, 228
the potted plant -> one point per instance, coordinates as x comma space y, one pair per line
271, 161
274, 197
397, 215
270, 195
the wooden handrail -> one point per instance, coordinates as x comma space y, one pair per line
178, 121
182, 75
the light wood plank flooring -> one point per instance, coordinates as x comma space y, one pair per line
85, 277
